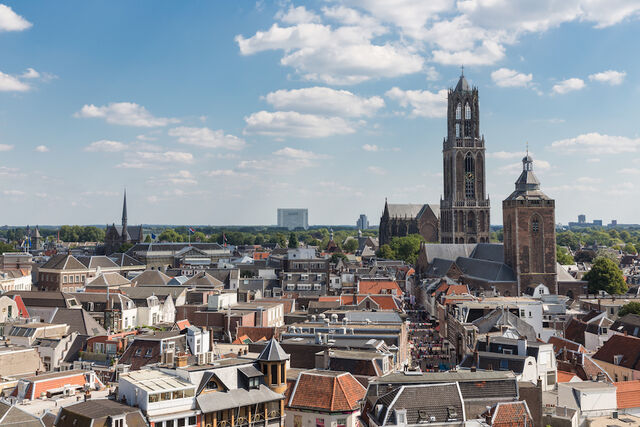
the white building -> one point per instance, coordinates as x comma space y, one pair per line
293, 218
589, 398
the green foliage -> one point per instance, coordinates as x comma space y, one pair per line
605, 276
629, 248
147, 239
78, 233
351, 246
608, 253
293, 240
125, 247
563, 256
337, 257
630, 308
386, 252
170, 235
7, 247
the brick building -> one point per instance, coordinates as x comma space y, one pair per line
530, 232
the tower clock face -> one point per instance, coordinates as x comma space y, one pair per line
469, 176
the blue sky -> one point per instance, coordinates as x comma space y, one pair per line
219, 112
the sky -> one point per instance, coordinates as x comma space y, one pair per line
220, 112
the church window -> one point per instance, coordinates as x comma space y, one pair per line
535, 225
469, 177
457, 130
467, 111
458, 112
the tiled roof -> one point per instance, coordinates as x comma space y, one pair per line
79, 321
626, 346
97, 261
109, 279
560, 343
377, 287
511, 414
64, 262
574, 331
273, 352
628, 394
457, 290
151, 278
327, 391
565, 377
204, 279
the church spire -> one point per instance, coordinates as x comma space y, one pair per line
124, 211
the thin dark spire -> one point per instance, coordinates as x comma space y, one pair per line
124, 209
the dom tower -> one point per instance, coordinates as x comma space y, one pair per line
464, 210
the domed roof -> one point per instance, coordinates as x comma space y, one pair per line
463, 84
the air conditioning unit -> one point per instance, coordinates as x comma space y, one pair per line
210, 357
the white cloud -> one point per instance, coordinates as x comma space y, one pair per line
297, 15
6, 147
294, 153
505, 77
370, 147
11, 21
422, 102
106, 146
208, 138
630, 171
515, 168
146, 159
588, 180
487, 53
13, 192
503, 155
42, 149
12, 84
568, 85
595, 144
125, 114
326, 101
376, 170
344, 55
293, 124
30, 73
432, 73
221, 172
183, 177
610, 76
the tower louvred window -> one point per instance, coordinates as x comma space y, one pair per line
467, 112
458, 112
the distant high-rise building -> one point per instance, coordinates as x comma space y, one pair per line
582, 219
293, 218
363, 222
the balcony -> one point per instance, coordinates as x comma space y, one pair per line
465, 203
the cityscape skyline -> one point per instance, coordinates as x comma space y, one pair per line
214, 110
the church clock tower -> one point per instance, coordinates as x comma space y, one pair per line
464, 210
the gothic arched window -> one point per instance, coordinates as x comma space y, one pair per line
469, 177
535, 225
457, 130
467, 111
458, 112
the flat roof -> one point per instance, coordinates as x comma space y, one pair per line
449, 376
153, 381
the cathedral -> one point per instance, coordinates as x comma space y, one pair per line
463, 213
116, 235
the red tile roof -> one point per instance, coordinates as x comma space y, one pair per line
628, 394
565, 377
377, 287
559, 343
625, 345
511, 414
327, 391
457, 290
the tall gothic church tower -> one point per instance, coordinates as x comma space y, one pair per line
464, 210
530, 232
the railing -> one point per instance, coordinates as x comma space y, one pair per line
465, 203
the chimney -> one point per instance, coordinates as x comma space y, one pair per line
181, 361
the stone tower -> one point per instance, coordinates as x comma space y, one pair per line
530, 232
273, 364
464, 210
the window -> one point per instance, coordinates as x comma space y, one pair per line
192, 421
457, 130
467, 111
180, 422
535, 225
504, 364
458, 112
138, 352
77, 278
274, 374
148, 353
64, 279
469, 177
118, 422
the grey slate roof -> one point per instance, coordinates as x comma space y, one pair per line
439, 267
422, 402
79, 321
489, 252
495, 362
211, 402
463, 84
151, 278
498, 317
124, 260
450, 251
273, 352
486, 270
407, 210
97, 261
14, 416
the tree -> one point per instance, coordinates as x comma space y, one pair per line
605, 276
147, 239
293, 240
563, 256
406, 248
386, 252
170, 235
7, 247
335, 258
351, 246
125, 247
630, 308
630, 249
